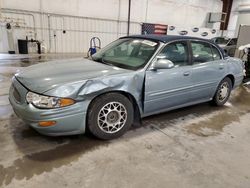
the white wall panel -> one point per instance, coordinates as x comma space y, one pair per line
3, 39
237, 17
108, 20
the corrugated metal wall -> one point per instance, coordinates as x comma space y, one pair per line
78, 30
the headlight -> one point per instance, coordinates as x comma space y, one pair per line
42, 101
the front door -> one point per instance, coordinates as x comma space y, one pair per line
169, 88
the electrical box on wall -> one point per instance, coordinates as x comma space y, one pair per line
215, 17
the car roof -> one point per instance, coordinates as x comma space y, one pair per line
170, 38
165, 38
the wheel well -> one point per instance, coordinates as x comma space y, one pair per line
137, 114
231, 78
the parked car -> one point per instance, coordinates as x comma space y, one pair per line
131, 78
228, 44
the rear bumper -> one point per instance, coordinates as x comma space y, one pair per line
69, 120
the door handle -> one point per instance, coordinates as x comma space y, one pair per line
186, 73
221, 66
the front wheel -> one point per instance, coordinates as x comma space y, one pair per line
223, 92
110, 116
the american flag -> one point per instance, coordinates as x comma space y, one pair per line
148, 28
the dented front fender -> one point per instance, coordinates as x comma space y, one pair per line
129, 82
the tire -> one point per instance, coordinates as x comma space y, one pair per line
110, 116
223, 92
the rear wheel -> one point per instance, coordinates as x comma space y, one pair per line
223, 92
110, 116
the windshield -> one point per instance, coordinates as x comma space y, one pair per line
128, 53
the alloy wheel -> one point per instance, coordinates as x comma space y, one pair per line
112, 117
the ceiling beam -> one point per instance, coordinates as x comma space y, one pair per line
227, 6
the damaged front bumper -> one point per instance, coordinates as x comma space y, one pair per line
69, 120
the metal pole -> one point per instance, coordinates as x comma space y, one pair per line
146, 16
129, 7
49, 33
118, 18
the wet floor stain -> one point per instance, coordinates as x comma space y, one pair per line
5, 112
4, 100
212, 126
242, 99
28, 61
42, 153
46, 161
240, 105
9, 74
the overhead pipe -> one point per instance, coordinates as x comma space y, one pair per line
65, 15
129, 8
11, 20
244, 8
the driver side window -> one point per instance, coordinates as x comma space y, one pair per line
176, 52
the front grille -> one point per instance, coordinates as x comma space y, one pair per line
16, 95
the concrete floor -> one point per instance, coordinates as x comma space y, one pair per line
198, 146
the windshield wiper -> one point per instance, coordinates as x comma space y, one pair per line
106, 62
101, 60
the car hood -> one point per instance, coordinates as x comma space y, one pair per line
45, 76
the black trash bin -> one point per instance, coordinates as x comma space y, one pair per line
23, 46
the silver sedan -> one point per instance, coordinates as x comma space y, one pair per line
129, 79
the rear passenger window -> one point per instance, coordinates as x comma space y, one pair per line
176, 52
216, 53
201, 52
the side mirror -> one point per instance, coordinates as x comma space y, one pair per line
163, 64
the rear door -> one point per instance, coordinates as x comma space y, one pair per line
231, 47
207, 70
